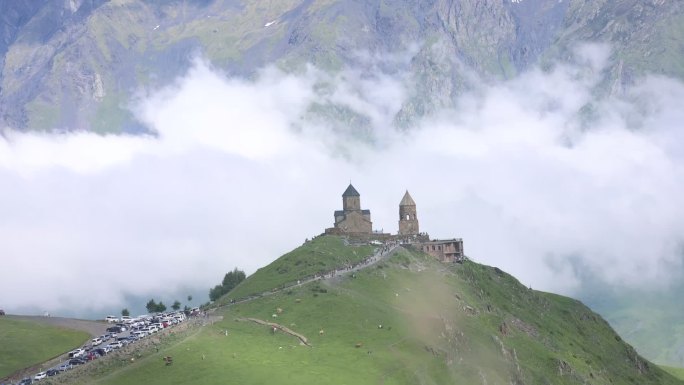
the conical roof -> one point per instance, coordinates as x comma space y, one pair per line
351, 192
407, 200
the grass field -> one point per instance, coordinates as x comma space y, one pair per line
26, 343
677, 372
404, 321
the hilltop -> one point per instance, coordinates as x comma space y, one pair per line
405, 319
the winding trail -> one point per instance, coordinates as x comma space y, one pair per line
380, 254
282, 328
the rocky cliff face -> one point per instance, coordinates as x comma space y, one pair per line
73, 64
13, 16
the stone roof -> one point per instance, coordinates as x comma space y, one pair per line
342, 212
351, 192
407, 200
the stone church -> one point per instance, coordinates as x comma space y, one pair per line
351, 219
354, 221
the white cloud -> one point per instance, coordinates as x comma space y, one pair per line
235, 177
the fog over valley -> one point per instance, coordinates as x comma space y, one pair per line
542, 175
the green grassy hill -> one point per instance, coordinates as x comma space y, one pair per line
677, 372
649, 320
407, 320
319, 255
26, 343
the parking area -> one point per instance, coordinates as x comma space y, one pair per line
107, 337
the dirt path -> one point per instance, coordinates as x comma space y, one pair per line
282, 328
381, 254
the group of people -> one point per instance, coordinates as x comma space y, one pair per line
386, 248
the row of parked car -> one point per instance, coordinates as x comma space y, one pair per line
135, 329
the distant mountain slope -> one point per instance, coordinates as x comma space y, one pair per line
649, 320
74, 65
407, 320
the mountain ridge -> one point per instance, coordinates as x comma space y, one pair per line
78, 70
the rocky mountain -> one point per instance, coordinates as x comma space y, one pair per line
74, 64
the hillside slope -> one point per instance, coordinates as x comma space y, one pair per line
649, 320
408, 319
26, 343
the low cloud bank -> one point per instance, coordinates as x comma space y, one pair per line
536, 174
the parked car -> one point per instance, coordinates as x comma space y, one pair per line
76, 353
39, 376
77, 361
115, 345
114, 329
140, 334
2, 312
96, 341
101, 351
52, 372
111, 319
26, 381
64, 367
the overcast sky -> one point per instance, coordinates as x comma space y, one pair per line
235, 178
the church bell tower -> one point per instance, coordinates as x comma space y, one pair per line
408, 220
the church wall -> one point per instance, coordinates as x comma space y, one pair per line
355, 222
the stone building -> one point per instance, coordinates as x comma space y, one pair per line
356, 223
450, 250
408, 220
351, 219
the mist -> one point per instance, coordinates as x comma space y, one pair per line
539, 175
